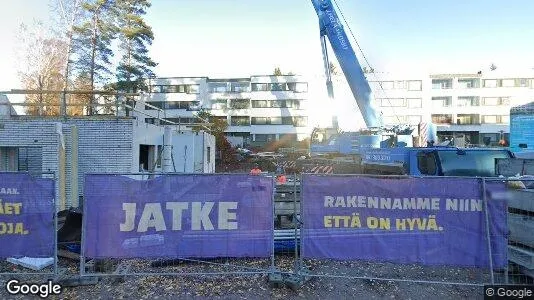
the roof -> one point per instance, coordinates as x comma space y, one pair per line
523, 109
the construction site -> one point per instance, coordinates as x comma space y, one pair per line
186, 188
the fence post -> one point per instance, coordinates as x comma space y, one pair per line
56, 272
488, 235
273, 267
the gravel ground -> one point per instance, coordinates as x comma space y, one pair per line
258, 286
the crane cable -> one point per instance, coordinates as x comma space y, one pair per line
365, 58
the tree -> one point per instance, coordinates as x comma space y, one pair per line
67, 13
134, 35
42, 66
228, 160
92, 43
277, 72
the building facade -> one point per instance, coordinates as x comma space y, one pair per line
476, 106
259, 110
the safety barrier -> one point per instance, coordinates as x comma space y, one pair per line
27, 224
398, 228
176, 224
443, 230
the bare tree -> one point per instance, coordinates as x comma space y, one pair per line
42, 67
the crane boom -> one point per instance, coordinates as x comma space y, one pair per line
331, 27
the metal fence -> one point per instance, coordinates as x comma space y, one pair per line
477, 233
28, 224
190, 242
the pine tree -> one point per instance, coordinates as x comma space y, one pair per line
135, 36
92, 43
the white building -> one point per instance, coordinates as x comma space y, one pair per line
475, 105
259, 109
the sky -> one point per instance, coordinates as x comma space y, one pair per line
239, 38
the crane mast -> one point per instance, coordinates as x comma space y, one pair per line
331, 27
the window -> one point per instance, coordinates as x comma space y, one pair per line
300, 121
508, 82
298, 87
218, 87
492, 101
442, 83
260, 103
173, 105
154, 105
240, 103
259, 121
426, 163
489, 119
287, 120
468, 83
208, 153
467, 119
415, 102
400, 85
467, 101
193, 89
276, 120
505, 119
155, 89
239, 87
522, 82
392, 102
490, 82
219, 104
441, 101
264, 137
441, 119
239, 121
386, 85
414, 85
470, 163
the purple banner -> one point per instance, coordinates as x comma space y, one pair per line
26, 216
431, 221
178, 216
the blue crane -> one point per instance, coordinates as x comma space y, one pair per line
331, 28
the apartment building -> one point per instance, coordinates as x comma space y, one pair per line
259, 110
476, 106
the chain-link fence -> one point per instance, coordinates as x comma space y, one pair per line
28, 224
396, 228
442, 230
177, 224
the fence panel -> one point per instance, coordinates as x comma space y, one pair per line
27, 224
518, 193
441, 230
177, 224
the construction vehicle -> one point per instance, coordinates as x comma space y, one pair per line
379, 149
330, 141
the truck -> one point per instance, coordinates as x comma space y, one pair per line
433, 161
389, 150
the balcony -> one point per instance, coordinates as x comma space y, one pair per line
442, 119
468, 119
468, 83
440, 84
